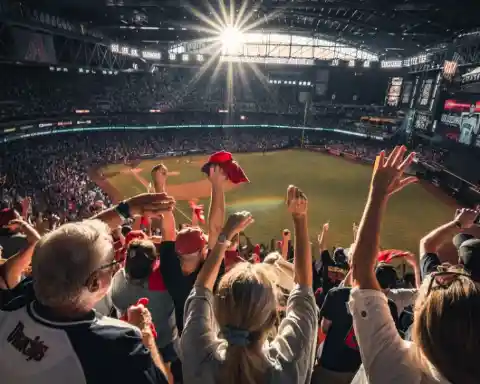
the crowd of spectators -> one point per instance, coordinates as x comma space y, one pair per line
34, 93
92, 291
54, 171
127, 296
38, 92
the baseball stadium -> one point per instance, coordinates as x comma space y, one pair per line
239, 192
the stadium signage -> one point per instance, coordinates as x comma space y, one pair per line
64, 123
391, 64
43, 125
451, 104
79, 122
153, 55
472, 77
454, 120
26, 127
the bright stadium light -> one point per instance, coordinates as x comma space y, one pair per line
231, 39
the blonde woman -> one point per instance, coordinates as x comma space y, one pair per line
230, 338
446, 336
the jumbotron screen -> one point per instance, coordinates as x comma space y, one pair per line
460, 121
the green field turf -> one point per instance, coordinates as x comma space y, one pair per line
336, 189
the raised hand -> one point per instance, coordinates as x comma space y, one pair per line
325, 229
355, 230
159, 172
286, 235
466, 217
139, 316
151, 204
31, 233
216, 175
236, 223
26, 203
159, 177
388, 175
297, 202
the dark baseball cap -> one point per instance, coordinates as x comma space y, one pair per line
140, 258
386, 276
468, 247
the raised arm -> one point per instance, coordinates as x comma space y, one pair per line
235, 224
151, 204
297, 333
216, 214
297, 206
159, 178
322, 239
378, 339
387, 180
286, 236
14, 266
433, 241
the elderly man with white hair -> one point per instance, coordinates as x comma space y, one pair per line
57, 336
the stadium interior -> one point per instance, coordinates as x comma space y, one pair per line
95, 93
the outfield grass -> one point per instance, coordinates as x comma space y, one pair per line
336, 189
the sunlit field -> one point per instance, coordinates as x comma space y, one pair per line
336, 189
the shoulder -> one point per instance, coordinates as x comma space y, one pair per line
429, 263
119, 278
19, 296
113, 339
166, 246
339, 292
119, 347
108, 330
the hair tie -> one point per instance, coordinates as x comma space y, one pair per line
236, 336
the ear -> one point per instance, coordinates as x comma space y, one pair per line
93, 283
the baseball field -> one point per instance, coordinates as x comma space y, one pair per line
336, 189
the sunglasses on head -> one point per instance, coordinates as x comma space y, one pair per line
445, 276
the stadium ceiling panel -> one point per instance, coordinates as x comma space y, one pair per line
384, 28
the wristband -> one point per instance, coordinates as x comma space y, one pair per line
123, 210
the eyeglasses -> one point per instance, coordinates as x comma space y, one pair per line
445, 276
115, 263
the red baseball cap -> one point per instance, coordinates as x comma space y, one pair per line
231, 168
388, 255
134, 235
190, 240
7, 215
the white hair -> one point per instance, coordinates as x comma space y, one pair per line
65, 258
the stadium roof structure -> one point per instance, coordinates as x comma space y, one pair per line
386, 28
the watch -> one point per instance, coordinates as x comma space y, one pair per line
222, 239
458, 224
123, 210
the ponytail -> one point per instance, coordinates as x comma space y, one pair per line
243, 365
